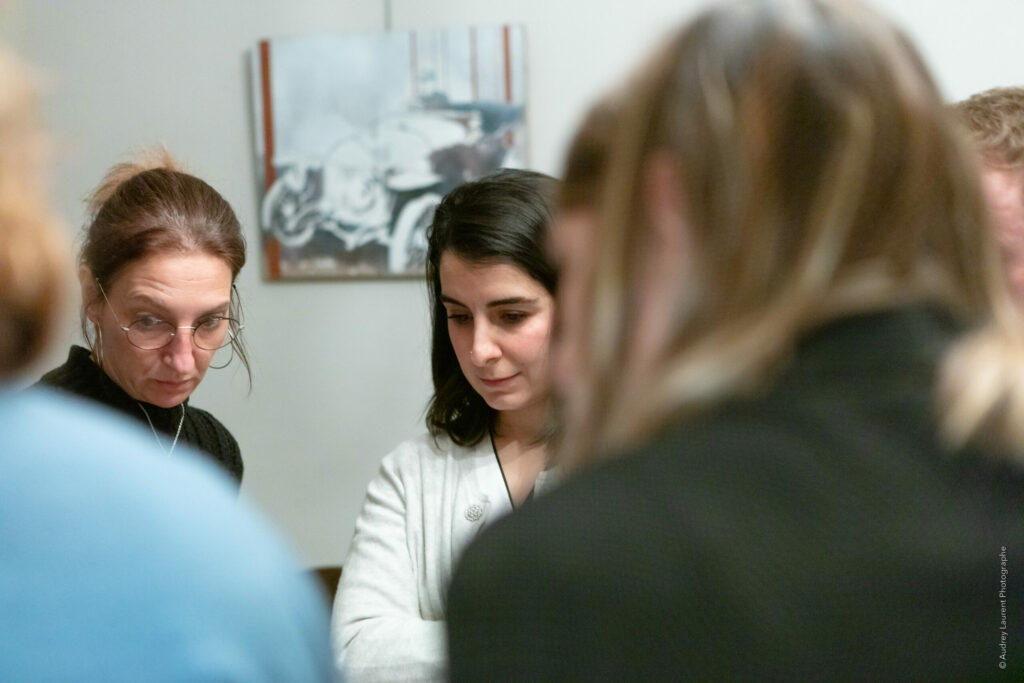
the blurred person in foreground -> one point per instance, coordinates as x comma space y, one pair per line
994, 120
110, 566
797, 404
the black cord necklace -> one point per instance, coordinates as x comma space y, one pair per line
504, 479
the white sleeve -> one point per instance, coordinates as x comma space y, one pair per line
377, 628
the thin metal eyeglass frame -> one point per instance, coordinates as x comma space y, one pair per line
229, 335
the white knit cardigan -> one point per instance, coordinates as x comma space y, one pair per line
427, 502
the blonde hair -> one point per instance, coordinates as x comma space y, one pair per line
587, 156
820, 177
994, 119
33, 252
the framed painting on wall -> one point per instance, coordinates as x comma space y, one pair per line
358, 138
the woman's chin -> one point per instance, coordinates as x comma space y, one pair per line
505, 403
168, 396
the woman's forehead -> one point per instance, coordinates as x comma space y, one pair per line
167, 279
464, 279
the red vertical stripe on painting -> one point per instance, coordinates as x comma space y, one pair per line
270, 245
505, 39
272, 250
268, 116
510, 136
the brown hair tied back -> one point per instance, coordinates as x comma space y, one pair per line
149, 207
147, 160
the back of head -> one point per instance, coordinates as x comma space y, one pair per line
995, 121
817, 174
501, 218
32, 253
586, 159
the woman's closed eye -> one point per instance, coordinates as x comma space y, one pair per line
459, 317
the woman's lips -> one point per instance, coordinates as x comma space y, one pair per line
495, 383
174, 386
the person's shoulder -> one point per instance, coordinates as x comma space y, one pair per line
205, 420
46, 419
76, 375
159, 542
213, 437
569, 516
409, 457
63, 432
605, 505
429, 448
87, 442
428, 458
63, 439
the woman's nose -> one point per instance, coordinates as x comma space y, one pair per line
179, 353
484, 347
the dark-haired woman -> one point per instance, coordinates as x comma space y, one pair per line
157, 268
491, 289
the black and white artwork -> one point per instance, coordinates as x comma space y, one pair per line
358, 138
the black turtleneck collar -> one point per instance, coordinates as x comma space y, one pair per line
82, 376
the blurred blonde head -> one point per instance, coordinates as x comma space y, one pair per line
777, 164
32, 251
572, 243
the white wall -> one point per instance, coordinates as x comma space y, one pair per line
342, 368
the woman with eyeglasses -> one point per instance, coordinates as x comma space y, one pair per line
157, 270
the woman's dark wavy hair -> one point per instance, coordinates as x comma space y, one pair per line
501, 218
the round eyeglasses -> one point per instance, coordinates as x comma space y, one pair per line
149, 333
209, 334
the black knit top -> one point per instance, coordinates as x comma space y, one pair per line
82, 377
